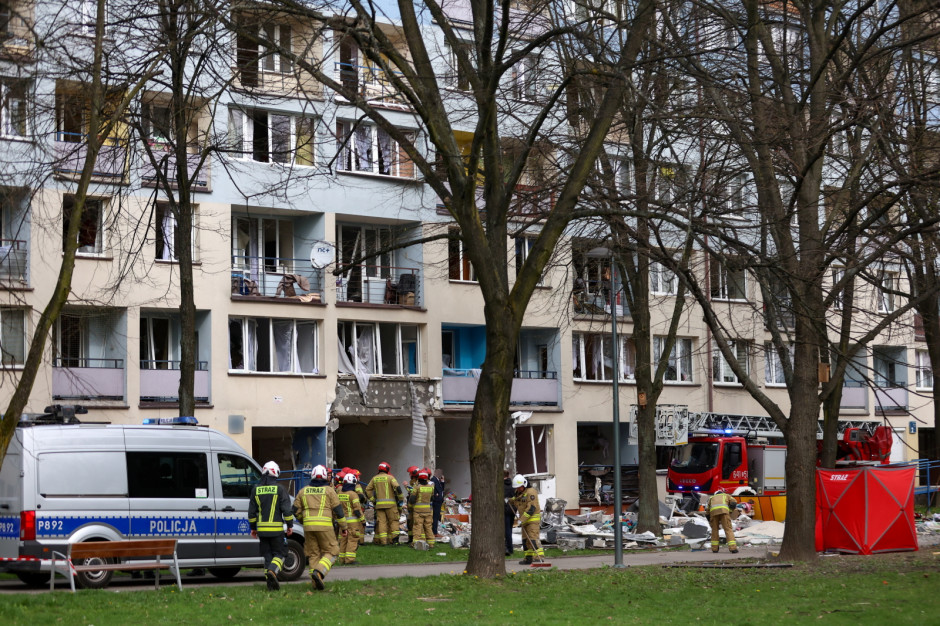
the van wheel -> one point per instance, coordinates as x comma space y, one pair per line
34, 579
94, 579
294, 561
224, 573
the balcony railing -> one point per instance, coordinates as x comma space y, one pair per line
369, 82
70, 151
13, 260
459, 386
854, 396
379, 284
596, 303
160, 380
167, 163
290, 279
87, 379
891, 398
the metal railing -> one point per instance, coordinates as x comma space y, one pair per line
379, 284
167, 164
13, 257
275, 277
71, 148
150, 364
88, 363
370, 82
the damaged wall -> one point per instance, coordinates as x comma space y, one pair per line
384, 397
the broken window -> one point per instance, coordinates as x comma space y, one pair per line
268, 137
261, 344
369, 149
459, 264
167, 234
679, 367
593, 357
721, 369
532, 449
379, 348
90, 227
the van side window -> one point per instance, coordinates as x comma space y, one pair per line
238, 475
78, 474
167, 475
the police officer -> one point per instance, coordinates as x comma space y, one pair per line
316, 505
352, 509
420, 502
386, 496
269, 509
526, 504
719, 513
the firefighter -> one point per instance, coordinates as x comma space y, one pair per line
269, 510
352, 509
420, 502
526, 504
719, 513
387, 498
316, 505
409, 514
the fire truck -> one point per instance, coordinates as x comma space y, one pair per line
745, 455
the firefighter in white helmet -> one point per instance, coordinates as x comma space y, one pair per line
526, 504
269, 510
352, 509
316, 505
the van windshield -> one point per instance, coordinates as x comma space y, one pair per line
695, 458
238, 475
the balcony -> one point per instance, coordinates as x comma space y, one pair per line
13, 262
890, 399
167, 162
854, 396
160, 380
379, 284
70, 150
369, 82
87, 379
533, 388
284, 279
596, 303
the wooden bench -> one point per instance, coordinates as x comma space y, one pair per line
147, 554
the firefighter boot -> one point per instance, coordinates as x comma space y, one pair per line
271, 579
317, 579
527, 560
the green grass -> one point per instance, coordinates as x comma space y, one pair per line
895, 589
440, 553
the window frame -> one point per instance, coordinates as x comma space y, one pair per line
6, 313
525, 78
887, 299
351, 158
281, 148
465, 271
250, 328
162, 237
580, 349
681, 355
10, 103
923, 370
523, 246
100, 207
773, 366
721, 287
348, 330
722, 374
658, 284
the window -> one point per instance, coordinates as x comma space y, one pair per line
773, 366
721, 369
592, 357
272, 61
624, 174
90, 228
268, 137
261, 344
87, 16
167, 237
887, 289
366, 148
158, 125
378, 348
238, 476
92, 338
523, 248
679, 368
525, 78
924, 369
14, 117
158, 342
12, 337
81, 474
727, 280
264, 240
890, 366
252, 58
532, 449
733, 197
666, 184
460, 78
167, 475
459, 266
662, 280
841, 298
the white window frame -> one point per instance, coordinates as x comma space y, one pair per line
249, 328
773, 366
722, 291
887, 283
272, 62
680, 358
363, 140
164, 228
100, 206
241, 136
525, 78
12, 320
923, 370
663, 281
523, 246
735, 195
462, 262
722, 374
581, 349
380, 341
88, 16
10, 102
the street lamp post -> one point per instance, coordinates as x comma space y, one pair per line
618, 488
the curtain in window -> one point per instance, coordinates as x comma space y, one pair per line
385, 152
280, 139
168, 234
306, 357
284, 346
346, 365
364, 149
251, 345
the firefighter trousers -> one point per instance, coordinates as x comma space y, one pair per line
386, 526
531, 541
723, 520
321, 549
423, 529
350, 543
274, 551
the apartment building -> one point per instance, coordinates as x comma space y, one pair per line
344, 362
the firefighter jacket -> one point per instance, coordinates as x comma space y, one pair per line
527, 504
720, 504
420, 498
349, 500
384, 491
269, 507
316, 505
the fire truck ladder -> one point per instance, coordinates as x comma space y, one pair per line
757, 425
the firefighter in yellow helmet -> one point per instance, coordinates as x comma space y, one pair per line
719, 513
316, 505
420, 502
268, 511
526, 504
352, 509
387, 498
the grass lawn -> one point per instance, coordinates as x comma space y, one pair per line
888, 589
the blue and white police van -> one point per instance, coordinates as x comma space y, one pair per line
63, 481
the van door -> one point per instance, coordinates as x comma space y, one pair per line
235, 475
11, 503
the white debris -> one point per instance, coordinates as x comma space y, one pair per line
773, 530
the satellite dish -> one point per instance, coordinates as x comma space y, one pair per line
322, 254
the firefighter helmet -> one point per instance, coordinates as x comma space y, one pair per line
349, 478
357, 473
384, 467
423, 474
271, 469
413, 470
519, 481
319, 472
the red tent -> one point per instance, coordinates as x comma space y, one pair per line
865, 510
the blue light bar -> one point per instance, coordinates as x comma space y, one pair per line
185, 420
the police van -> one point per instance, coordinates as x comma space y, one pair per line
63, 481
